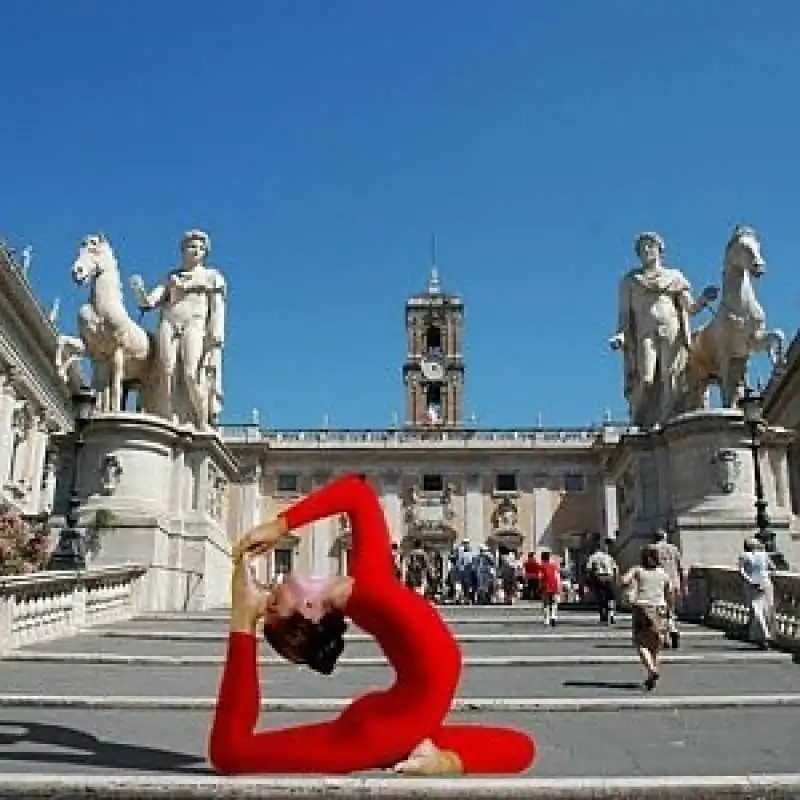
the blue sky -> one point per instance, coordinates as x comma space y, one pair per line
320, 143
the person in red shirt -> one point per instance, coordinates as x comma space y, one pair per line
549, 587
531, 569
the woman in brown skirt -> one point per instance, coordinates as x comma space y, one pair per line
649, 587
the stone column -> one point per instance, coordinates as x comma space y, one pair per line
610, 507
7, 402
449, 408
251, 496
322, 535
473, 509
393, 503
25, 423
418, 340
456, 402
36, 464
49, 478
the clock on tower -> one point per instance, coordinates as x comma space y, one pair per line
433, 372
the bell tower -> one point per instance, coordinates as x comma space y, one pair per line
433, 372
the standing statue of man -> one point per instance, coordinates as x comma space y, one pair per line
190, 335
655, 304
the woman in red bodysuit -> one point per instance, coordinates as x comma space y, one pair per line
400, 727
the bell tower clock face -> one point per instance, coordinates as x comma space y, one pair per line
432, 369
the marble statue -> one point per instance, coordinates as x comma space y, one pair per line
120, 350
654, 333
720, 350
190, 335
504, 517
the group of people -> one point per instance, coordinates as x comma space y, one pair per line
653, 589
479, 576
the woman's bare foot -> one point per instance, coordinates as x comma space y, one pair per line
427, 759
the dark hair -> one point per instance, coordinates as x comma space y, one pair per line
318, 645
650, 557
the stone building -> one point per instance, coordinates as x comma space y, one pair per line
34, 400
440, 480
781, 401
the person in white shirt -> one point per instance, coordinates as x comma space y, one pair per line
756, 568
649, 588
669, 557
602, 569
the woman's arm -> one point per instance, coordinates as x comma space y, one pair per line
628, 578
371, 552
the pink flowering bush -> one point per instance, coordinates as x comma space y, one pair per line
24, 546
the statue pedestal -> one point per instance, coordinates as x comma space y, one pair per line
156, 495
695, 476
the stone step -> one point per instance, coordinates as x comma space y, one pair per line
531, 617
559, 634
285, 680
656, 743
485, 705
723, 787
515, 660
471, 627
364, 647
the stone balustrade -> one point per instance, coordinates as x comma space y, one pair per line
50, 605
418, 438
716, 597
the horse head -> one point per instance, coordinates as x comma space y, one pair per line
743, 252
95, 257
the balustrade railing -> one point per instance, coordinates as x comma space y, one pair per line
419, 437
50, 605
717, 598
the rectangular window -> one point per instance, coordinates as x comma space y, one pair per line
287, 483
432, 483
574, 482
505, 482
283, 561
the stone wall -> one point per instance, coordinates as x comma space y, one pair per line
34, 401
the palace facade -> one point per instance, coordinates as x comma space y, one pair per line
34, 400
782, 407
441, 481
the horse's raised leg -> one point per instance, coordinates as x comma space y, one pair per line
115, 379
776, 345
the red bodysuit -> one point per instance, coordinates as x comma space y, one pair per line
380, 728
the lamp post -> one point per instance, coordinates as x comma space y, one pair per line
754, 419
69, 554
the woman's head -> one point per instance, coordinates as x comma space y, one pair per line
300, 640
303, 624
649, 557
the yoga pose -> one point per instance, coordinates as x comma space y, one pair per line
399, 728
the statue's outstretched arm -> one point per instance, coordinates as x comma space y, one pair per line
146, 300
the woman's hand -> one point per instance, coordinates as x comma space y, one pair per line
261, 539
248, 602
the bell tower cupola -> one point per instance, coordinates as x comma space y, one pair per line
433, 372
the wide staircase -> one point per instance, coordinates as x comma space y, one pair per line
123, 710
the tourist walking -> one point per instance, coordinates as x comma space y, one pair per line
669, 557
531, 572
549, 588
756, 568
602, 570
649, 589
